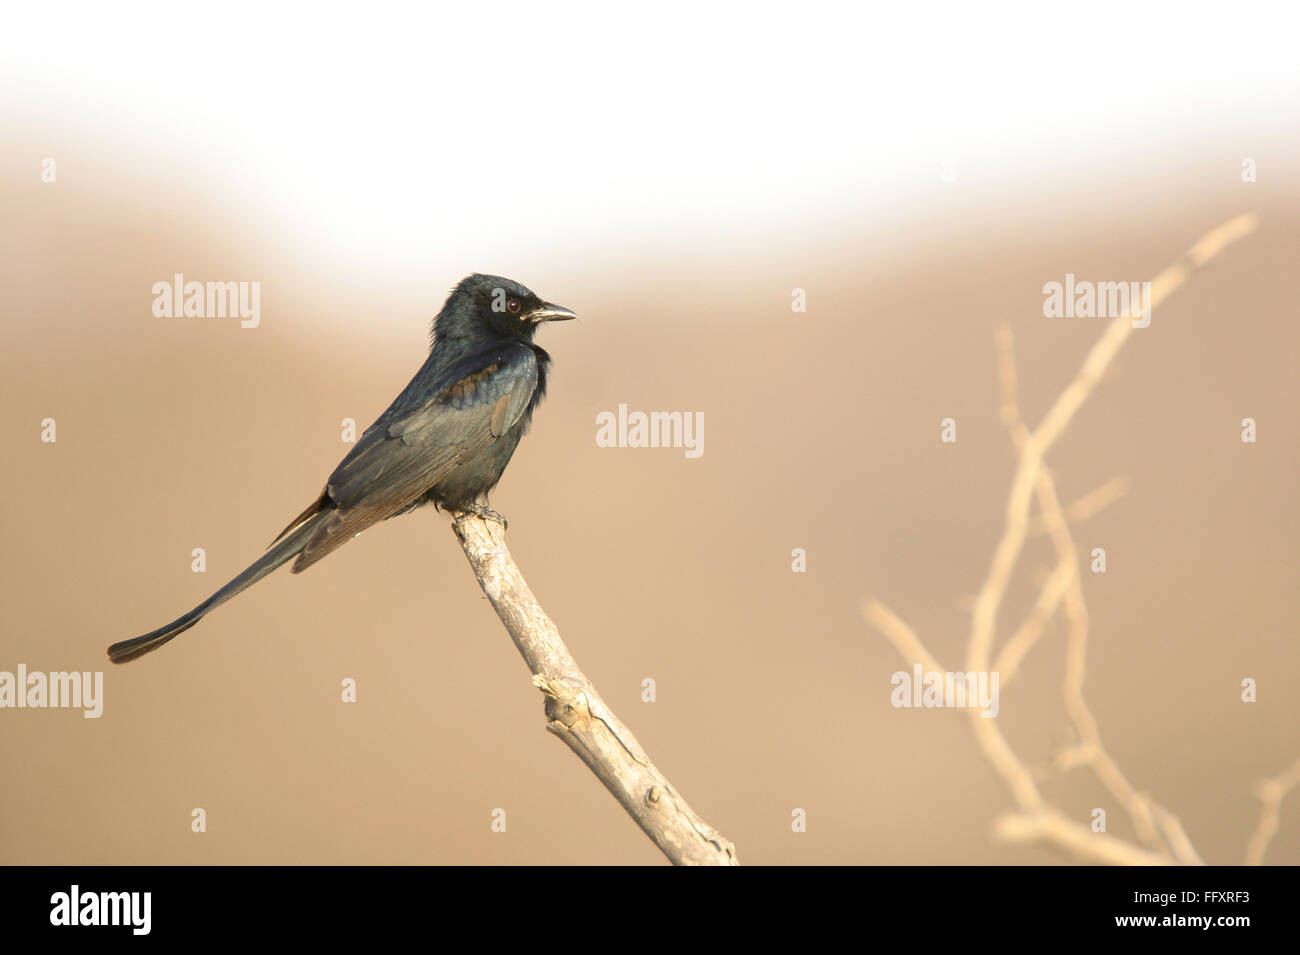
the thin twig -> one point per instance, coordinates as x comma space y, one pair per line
1094, 502
576, 713
1051, 825
1271, 792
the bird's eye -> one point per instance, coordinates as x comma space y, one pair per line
513, 305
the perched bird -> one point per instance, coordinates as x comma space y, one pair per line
445, 440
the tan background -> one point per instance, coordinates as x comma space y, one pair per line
821, 433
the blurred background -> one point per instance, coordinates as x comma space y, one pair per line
673, 176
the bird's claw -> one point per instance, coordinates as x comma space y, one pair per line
485, 513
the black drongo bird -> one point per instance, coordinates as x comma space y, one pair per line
445, 440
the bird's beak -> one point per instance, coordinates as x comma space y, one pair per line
547, 312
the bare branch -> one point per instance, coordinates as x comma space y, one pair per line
1271, 792
1050, 825
991, 742
1091, 503
576, 713
1023, 640
1036, 443
1153, 822
1036, 820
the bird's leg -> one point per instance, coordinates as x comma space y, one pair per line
484, 512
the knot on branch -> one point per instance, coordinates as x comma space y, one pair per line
565, 702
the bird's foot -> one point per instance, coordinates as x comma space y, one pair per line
484, 512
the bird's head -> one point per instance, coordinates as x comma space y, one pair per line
494, 307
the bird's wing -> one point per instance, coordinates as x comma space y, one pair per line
409, 449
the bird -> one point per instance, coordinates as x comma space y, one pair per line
445, 440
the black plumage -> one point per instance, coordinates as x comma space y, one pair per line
446, 439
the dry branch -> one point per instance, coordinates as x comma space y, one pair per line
1271, 793
1036, 820
576, 713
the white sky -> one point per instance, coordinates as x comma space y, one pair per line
398, 134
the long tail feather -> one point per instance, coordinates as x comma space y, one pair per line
281, 552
